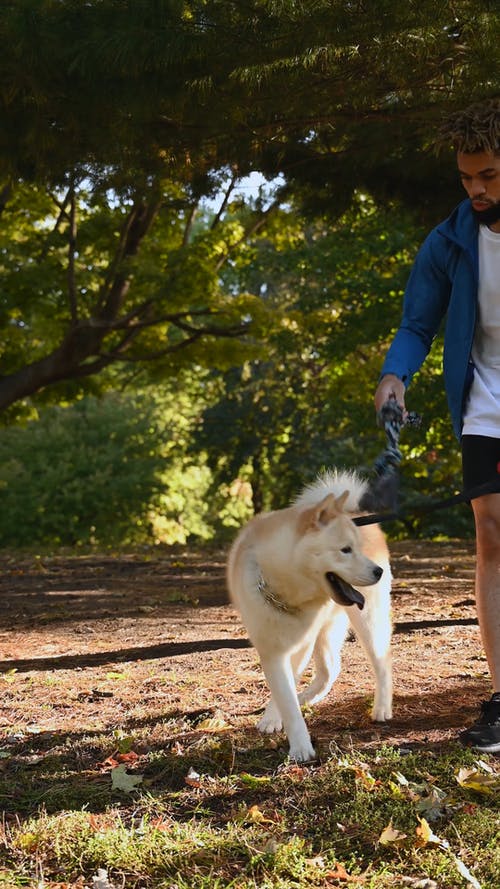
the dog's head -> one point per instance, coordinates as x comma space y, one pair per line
329, 547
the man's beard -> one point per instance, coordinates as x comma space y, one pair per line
488, 216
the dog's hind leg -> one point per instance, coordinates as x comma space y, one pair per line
326, 659
284, 701
373, 629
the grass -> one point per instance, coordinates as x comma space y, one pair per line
218, 806
212, 812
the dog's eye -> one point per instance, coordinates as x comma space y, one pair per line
346, 549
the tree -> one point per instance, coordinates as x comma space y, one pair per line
127, 111
92, 282
193, 86
335, 294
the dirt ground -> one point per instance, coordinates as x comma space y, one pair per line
110, 643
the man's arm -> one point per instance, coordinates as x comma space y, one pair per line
425, 303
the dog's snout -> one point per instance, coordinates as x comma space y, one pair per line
378, 571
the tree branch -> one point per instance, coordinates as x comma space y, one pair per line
5, 194
73, 302
189, 224
62, 214
249, 231
227, 195
115, 288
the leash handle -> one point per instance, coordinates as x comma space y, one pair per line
382, 492
390, 418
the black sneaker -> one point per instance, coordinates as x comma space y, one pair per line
484, 735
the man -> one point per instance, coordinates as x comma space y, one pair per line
457, 274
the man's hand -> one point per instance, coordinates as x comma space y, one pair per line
390, 386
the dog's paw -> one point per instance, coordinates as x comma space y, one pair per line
270, 722
302, 752
381, 712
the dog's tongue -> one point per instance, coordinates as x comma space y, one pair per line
343, 593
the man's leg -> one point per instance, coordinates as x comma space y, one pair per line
481, 463
485, 733
487, 517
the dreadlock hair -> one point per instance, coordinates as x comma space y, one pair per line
475, 129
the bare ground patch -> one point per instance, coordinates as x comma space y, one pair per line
101, 643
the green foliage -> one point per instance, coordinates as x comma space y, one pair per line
291, 397
114, 471
94, 284
335, 293
79, 475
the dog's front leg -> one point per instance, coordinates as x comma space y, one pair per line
284, 701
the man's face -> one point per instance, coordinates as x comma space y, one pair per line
480, 175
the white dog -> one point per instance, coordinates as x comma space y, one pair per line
290, 575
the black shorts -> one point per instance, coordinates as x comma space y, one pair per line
480, 460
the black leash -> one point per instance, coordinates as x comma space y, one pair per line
491, 487
382, 493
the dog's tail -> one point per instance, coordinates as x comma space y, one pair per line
336, 482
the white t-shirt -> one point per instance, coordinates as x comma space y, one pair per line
482, 412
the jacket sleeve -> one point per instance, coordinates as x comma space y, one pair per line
425, 303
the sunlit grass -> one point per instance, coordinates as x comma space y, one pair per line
211, 813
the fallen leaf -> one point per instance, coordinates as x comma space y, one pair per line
391, 837
160, 824
318, 861
295, 771
466, 874
362, 774
122, 780
254, 780
400, 778
433, 804
116, 759
100, 822
107, 764
100, 881
420, 882
213, 724
338, 872
256, 816
473, 779
131, 756
10, 675
427, 838
192, 778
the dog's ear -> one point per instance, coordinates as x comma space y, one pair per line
326, 510
331, 507
340, 501
322, 513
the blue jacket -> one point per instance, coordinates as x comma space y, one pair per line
443, 281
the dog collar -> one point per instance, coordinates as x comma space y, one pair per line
272, 598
